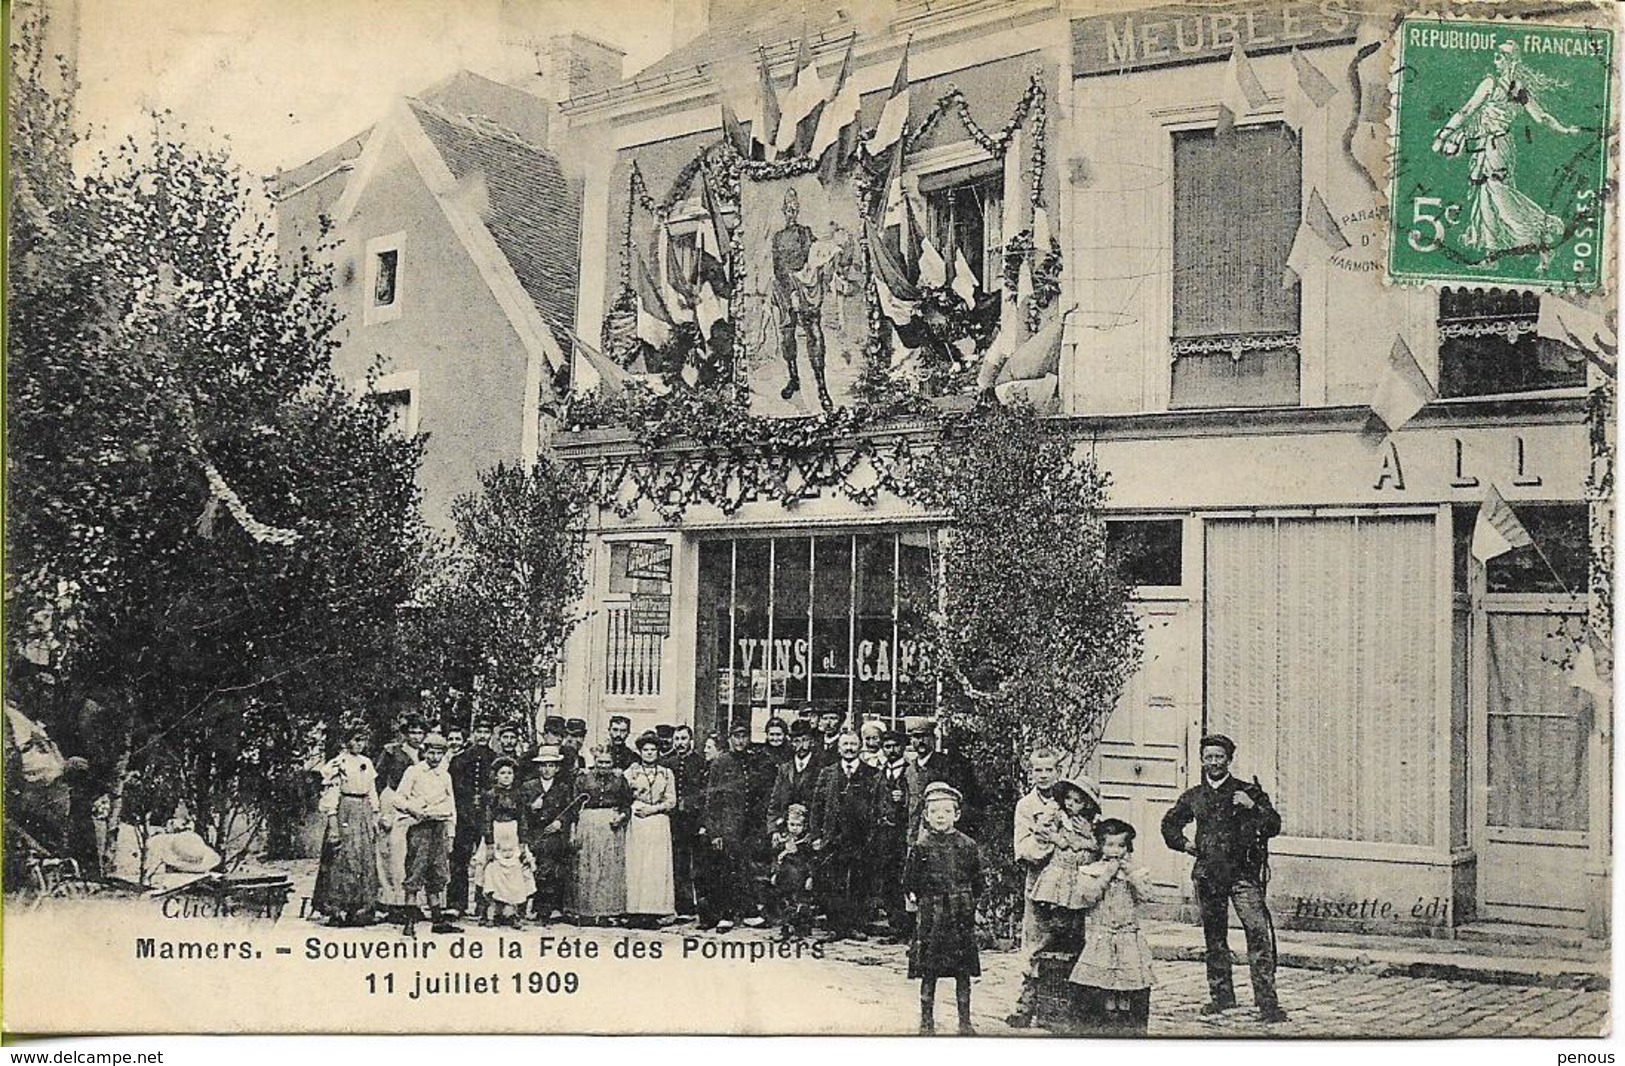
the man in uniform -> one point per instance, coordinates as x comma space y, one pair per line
843, 812
891, 841
620, 727
575, 738
724, 836
688, 769
798, 297
470, 777
1234, 823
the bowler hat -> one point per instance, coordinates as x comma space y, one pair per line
801, 728
1218, 740
575, 727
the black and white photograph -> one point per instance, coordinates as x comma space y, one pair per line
913, 518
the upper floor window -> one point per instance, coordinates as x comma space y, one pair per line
383, 293
1237, 204
1487, 345
964, 213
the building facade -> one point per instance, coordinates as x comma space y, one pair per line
1308, 589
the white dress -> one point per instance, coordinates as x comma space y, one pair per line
650, 885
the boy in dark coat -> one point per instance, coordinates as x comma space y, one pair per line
943, 877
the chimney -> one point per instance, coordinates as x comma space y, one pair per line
689, 19
573, 65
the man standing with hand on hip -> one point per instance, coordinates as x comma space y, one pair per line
1234, 822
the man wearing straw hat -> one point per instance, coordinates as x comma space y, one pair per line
550, 805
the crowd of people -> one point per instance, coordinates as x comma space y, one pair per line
813, 822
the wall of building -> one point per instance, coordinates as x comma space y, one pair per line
451, 331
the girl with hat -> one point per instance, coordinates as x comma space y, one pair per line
943, 878
651, 890
1071, 830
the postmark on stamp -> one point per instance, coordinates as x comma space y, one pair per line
1500, 154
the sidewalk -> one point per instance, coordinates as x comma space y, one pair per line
1554, 964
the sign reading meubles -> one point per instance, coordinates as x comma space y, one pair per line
1184, 33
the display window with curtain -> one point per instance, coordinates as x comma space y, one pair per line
827, 621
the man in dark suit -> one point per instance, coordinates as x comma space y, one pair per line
829, 729
1234, 823
470, 771
798, 776
620, 728
688, 768
843, 812
891, 840
931, 765
550, 810
575, 738
724, 835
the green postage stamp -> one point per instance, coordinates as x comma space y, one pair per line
1500, 154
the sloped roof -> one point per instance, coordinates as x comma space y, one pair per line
737, 27
466, 93
532, 208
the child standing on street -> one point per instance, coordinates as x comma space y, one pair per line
1071, 830
792, 874
1114, 967
425, 798
509, 877
943, 878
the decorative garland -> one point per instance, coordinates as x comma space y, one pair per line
1046, 273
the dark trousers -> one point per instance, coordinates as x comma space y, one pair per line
889, 851
810, 321
721, 874
551, 853
844, 886
463, 847
1215, 899
682, 861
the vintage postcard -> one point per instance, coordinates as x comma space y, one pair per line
1081, 518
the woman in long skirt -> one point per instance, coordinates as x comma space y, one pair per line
347, 879
651, 888
600, 885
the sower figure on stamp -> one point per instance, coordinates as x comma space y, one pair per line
1035, 811
1234, 822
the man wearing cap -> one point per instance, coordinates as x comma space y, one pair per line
392, 763
890, 840
620, 728
1033, 846
550, 811
724, 836
470, 777
843, 811
827, 749
1234, 822
426, 802
687, 766
798, 776
575, 738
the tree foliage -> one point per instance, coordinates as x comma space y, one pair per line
155, 332
1034, 635
496, 617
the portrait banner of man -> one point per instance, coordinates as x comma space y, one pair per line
801, 305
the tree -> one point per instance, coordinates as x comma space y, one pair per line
496, 619
207, 529
1034, 634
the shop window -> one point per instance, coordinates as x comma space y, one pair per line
1561, 565
1237, 204
1150, 551
830, 621
1488, 346
964, 212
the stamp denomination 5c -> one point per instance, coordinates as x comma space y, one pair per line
1500, 154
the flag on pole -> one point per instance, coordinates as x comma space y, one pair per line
738, 139
767, 136
1041, 232
1241, 94
1498, 529
1568, 323
654, 320
1038, 356
838, 122
1318, 238
1309, 92
1024, 284
1403, 390
933, 268
894, 116
802, 106
964, 282
612, 377
897, 294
